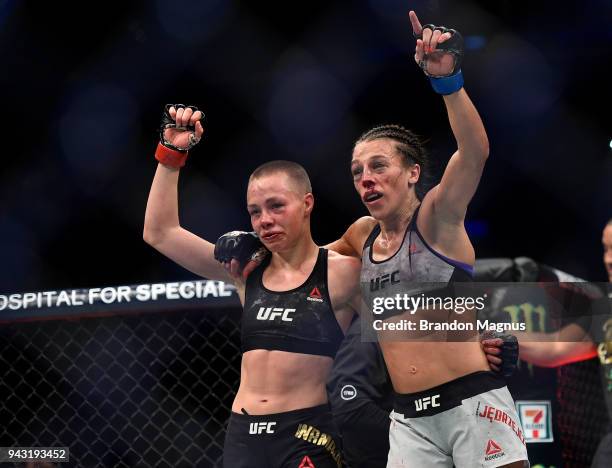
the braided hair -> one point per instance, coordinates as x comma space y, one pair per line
410, 146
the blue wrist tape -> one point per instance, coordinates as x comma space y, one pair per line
447, 84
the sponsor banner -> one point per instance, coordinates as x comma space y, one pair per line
116, 299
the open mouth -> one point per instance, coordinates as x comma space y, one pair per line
372, 197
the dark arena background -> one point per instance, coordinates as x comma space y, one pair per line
83, 87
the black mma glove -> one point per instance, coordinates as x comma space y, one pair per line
241, 245
509, 351
168, 122
440, 61
453, 46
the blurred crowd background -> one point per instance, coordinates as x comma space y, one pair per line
83, 87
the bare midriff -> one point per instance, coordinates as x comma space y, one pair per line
419, 365
280, 381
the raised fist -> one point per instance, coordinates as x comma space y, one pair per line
181, 127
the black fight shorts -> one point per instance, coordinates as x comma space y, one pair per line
304, 438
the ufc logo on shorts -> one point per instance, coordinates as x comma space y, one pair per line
423, 403
258, 428
270, 313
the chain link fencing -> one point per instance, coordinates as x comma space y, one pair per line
583, 419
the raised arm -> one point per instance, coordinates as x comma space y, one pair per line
439, 52
462, 174
162, 229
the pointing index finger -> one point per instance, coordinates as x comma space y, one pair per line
416, 24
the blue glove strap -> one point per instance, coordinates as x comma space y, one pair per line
447, 84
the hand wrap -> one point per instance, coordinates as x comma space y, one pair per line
167, 153
453, 81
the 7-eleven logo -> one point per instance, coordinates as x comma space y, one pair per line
315, 295
493, 451
306, 463
536, 416
536, 420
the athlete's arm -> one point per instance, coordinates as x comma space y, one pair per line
162, 229
344, 290
570, 344
462, 174
350, 245
452, 195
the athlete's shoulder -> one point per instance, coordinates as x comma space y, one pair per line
364, 223
352, 241
359, 231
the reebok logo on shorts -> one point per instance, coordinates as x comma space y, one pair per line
306, 463
493, 451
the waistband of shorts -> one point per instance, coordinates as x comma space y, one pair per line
446, 396
284, 416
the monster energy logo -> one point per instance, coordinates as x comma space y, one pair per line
534, 317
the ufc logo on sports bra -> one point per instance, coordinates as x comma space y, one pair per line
270, 313
423, 403
382, 281
258, 428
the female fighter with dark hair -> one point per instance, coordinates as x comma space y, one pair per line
449, 408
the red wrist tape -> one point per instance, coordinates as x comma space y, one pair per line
169, 157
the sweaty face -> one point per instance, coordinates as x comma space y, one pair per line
380, 177
278, 212
607, 248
